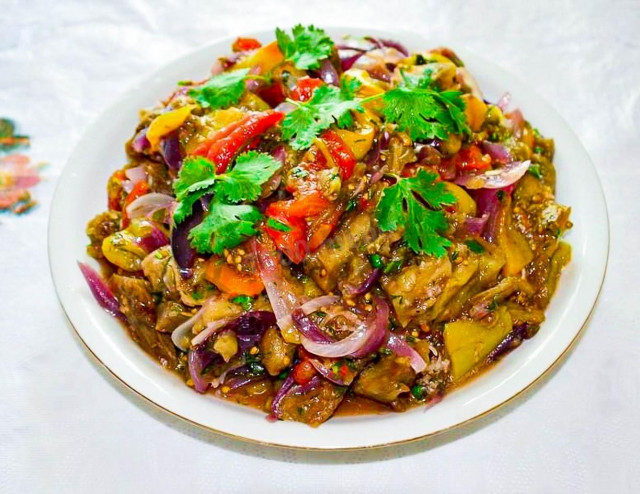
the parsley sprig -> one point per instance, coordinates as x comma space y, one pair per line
415, 204
419, 108
228, 223
306, 47
327, 106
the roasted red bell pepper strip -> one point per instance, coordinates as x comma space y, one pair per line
245, 44
304, 207
273, 94
139, 189
304, 88
293, 243
341, 154
204, 147
225, 144
115, 190
471, 159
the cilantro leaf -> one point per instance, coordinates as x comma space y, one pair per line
226, 226
328, 105
221, 90
197, 173
423, 111
243, 182
414, 204
308, 46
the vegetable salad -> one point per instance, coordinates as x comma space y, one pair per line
327, 227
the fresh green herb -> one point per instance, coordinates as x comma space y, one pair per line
534, 169
278, 225
283, 374
493, 305
376, 260
420, 60
328, 105
226, 225
385, 351
414, 204
537, 150
475, 246
455, 255
418, 391
306, 48
392, 266
256, 368
422, 110
351, 205
500, 195
222, 90
196, 296
244, 301
320, 314
244, 181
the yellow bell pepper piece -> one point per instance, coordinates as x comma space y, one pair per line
266, 58
359, 141
475, 111
464, 203
167, 122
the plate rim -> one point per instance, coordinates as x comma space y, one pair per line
122, 98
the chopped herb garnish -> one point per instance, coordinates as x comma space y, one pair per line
393, 266
534, 169
474, 246
415, 205
244, 301
455, 255
351, 205
376, 260
385, 351
278, 225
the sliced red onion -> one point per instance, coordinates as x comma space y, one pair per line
475, 226
402, 349
180, 335
364, 340
154, 240
199, 359
149, 204
517, 123
280, 153
328, 73
140, 141
136, 174
310, 330
495, 179
281, 297
217, 68
364, 286
498, 152
488, 202
171, 151
287, 384
309, 307
211, 328
238, 382
254, 84
348, 58
101, 291
512, 340
504, 101
389, 43
250, 327
183, 252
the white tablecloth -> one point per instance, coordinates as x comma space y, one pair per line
67, 426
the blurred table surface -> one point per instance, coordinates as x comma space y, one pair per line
67, 426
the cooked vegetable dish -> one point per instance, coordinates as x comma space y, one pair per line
323, 228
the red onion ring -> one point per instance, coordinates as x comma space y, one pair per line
402, 349
101, 291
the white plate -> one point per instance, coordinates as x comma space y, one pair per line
81, 194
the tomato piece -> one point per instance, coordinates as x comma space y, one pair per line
303, 372
304, 88
273, 94
293, 243
230, 281
471, 158
304, 207
340, 152
245, 44
139, 189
